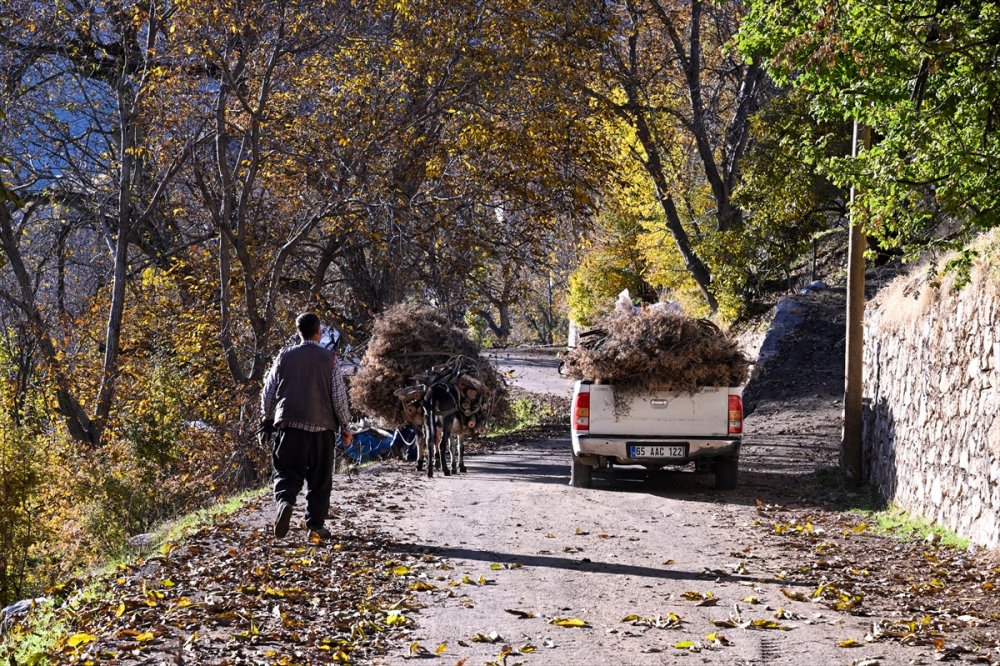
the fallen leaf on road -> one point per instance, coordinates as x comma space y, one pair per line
492, 637
698, 596
690, 646
764, 623
671, 621
520, 613
569, 622
794, 595
441, 648
849, 643
77, 640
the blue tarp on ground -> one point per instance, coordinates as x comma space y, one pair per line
368, 445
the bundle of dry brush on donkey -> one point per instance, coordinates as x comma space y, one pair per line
420, 369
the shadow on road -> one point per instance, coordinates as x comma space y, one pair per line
785, 482
583, 565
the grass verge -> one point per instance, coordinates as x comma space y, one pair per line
30, 641
895, 522
532, 411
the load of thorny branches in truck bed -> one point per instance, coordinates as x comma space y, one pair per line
408, 340
657, 350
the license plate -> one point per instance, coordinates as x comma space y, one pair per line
657, 451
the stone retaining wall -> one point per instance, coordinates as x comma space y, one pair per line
932, 401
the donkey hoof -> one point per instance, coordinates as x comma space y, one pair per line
461, 468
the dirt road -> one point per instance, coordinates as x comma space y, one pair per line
671, 553
662, 569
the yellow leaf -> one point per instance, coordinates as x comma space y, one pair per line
416, 648
750, 600
684, 645
145, 636
765, 624
441, 648
183, 602
401, 571
850, 642
794, 595
121, 610
569, 622
77, 640
420, 586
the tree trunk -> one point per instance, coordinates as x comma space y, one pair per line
78, 423
654, 167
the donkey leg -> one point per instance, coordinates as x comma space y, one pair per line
461, 454
429, 437
440, 459
443, 444
421, 449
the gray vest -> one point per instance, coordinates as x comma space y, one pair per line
304, 374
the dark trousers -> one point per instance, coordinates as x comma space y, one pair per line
300, 456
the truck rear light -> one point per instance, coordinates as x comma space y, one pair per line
735, 415
581, 411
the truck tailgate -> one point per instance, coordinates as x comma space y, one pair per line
664, 413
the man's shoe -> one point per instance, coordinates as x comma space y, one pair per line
283, 519
320, 533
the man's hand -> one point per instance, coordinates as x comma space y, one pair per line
266, 427
346, 437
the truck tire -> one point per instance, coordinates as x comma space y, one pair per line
580, 474
726, 471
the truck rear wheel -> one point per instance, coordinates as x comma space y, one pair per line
726, 471
580, 474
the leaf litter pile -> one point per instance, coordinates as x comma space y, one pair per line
408, 340
233, 594
916, 592
657, 350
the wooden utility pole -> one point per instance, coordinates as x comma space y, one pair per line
850, 450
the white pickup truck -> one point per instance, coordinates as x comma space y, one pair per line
657, 429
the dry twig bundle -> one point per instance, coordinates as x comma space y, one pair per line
409, 340
657, 350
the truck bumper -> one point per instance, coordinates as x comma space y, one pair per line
594, 447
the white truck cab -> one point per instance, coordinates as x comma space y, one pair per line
657, 429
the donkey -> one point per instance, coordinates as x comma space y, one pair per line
440, 406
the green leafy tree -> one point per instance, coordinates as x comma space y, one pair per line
923, 76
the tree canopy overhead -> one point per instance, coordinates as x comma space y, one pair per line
924, 76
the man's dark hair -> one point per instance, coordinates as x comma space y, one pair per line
308, 324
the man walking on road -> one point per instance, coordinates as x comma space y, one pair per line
305, 399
